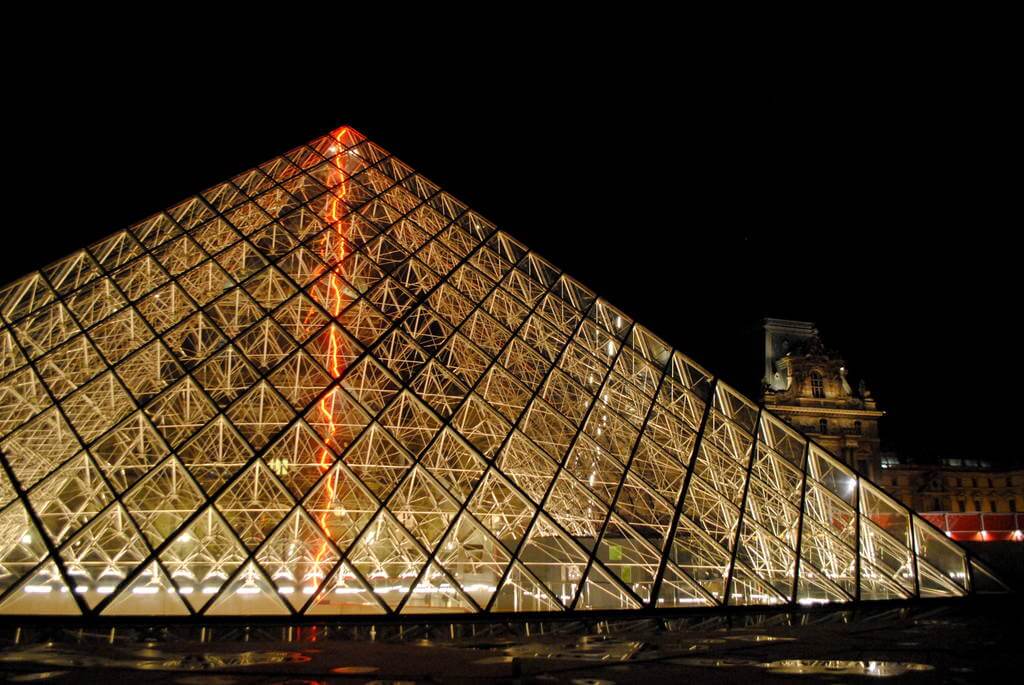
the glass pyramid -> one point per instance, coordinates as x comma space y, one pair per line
325, 387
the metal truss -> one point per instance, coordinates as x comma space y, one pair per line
327, 388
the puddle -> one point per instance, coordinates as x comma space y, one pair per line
354, 670
725, 662
874, 669
608, 649
35, 677
760, 638
205, 662
156, 660
495, 660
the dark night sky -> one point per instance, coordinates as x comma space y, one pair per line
865, 194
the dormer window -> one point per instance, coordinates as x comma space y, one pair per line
817, 385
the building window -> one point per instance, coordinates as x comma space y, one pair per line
992, 503
974, 482
990, 483
856, 427
823, 426
936, 505
817, 386
962, 505
1013, 506
977, 505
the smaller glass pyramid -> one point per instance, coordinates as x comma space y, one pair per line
326, 387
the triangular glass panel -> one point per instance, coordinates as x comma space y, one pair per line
935, 549
69, 497
410, 422
299, 458
526, 465
593, 466
423, 507
823, 554
259, 414
933, 583
504, 512
877, 583
103, 554
341, 505
886, 555
344, 593
633, 559
44, 593
770, 559
255, 503
678, 590
297, 558
300, 380
575, 509
337, 419
7, 491
202, 557
215, 453
555, 559
454, 463
129, 452
885, 513
984, 582
378, 460
473, 558
39, 447
645, 511
388, 558
162, 500
814, 588
600, 592
520, 591
21, 545
701, 558
435, 593
746, 588
150, 594
250, 593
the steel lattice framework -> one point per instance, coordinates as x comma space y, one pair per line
325, 387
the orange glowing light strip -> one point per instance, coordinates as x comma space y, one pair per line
335, 212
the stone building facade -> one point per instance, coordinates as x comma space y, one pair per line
806, 384
959, 488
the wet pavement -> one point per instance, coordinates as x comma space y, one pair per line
953, 644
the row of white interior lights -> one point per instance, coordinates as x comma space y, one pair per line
251, 588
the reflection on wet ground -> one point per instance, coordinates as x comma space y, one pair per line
960, 644
879, 669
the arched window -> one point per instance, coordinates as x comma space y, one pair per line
823, 426
817, 385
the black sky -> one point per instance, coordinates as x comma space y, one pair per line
869, 193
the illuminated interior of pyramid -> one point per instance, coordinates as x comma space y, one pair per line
326, 387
